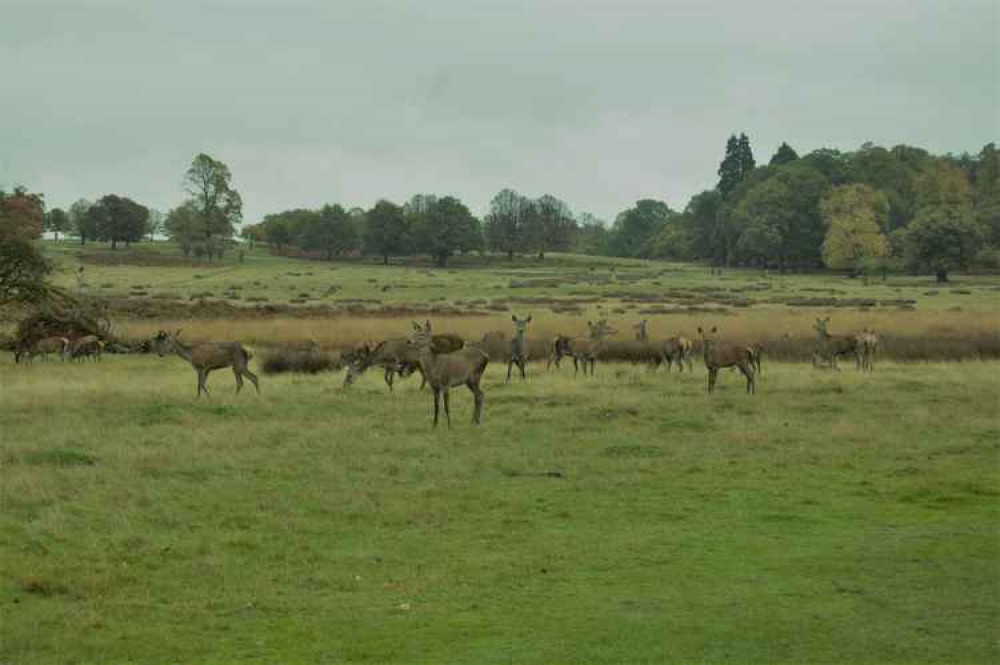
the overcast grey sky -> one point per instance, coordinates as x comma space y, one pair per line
600, 102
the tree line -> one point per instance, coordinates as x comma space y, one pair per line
872, 209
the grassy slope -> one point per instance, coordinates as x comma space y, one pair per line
833, 517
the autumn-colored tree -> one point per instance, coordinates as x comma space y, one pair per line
22, 267
855, 216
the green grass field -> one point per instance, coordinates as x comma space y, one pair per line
628, 517
834, 517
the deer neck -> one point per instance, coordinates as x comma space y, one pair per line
183, 350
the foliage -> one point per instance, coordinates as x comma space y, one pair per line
506, 223
737, 164
443, 226
387, 232
635, 228
119, 219
548, 225
219, 207
783, 155
855, 216
183, 225
943, 238
331, 231
23, 269
57, 221
83, 226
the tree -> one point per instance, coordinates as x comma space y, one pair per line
548, 225
444, 226
252, 233
986, 191
506, 222
942, 238
82, 226
745, 156
387, 232
736, 165
22, 267
183, 226
636, 227
124, 220
856, 216
332, 231
593, 236
703, 219
783, 155
57, 221
219, 206
155, 224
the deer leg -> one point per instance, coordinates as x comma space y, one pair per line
423, 377
479, 397
389, 372
447, 407
253, 379
520, 366
201, 382
510, 366
437, 400
713, 373
239, 380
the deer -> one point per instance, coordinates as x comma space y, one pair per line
88, 346
726, 354
641, 333
207, 357
677, 349
869, 346
518, 353
391, 355
44, 347
830, 347
558, 349
586, 349
444, 371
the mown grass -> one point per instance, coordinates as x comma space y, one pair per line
833, 517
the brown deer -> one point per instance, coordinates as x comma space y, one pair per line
586, 349
44, 347
869, 346
391, 355
88, 346
679, 350
641, 331
558, 349
830, 347
726, 354
448, 370
207, 357
518, 352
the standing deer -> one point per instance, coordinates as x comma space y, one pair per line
830, 347
444, 371
586, 349
726, 354
44, 347
641, 333
89, 346
388, 355
518, 352
558, 349
679, 350
207, 357
869, 346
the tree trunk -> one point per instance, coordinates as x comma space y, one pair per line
541, 255
942, 276
510, 255
114, 244
83, 239
57, 236
385, 259
329, 255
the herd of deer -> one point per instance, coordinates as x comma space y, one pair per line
446, 361
81, 348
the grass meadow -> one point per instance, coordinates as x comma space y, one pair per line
626, 517
834, 517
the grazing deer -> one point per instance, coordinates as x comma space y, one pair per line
447, 370
44, 347
726, 354
679, 350
831, 347
641, 333
518, 353
586, 349
558, 349
389, 355
207, 357
89, 346
869, 346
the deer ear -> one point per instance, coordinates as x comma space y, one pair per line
528, 320
177, 333
513, 318
700, 331
715, 328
